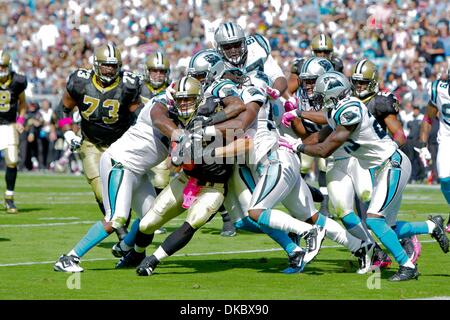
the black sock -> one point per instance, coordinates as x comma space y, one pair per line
178, 239
10, 178
322, 179
143, 240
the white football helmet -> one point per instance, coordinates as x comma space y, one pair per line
206, 66
332, 87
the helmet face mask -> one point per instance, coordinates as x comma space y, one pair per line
107, 63
157, 70
364, 79
188, 94
231, 43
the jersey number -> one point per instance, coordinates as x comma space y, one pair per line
352, 146
5, 100
381, 133
111, 104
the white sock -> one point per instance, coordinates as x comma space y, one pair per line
282, 221
431, 226
409, 264
323, 190
9, 193
160, 253
338, 234
73, 253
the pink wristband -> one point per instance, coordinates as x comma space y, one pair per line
64, 121
20, 120
427, 119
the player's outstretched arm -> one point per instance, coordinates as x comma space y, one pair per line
324, 149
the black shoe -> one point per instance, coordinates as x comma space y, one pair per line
365, 257
10, 207
405, 273
296, 262
121, 233
147, 266
132, 259
228, 229
448, 224
118, 251
316, 194
439, 233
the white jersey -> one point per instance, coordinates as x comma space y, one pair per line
369, 143
440, 98
142, 146
259, 58
222, 88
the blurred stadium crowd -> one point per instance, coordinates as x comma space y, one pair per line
408, 40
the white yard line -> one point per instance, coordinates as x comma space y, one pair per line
178, 255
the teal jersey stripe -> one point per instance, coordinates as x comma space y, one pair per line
247, 177
434, 91
393, 180
270, 180
114, 181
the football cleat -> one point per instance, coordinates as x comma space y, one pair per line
314, 241
381, 259
439, 232
404, 274
412, 247
131, 260
296, 262
10, 207
161, 230
147, 266
365, 257
67, 263
448, 224
118, 251
228, 229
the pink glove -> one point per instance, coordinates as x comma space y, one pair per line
273, 93
291, 104
288, 117
289, 142
190, 192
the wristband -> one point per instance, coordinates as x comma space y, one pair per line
427, 119
20, 120
64, 121
209, 131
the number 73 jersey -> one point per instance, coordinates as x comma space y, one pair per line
369, 142
105, 114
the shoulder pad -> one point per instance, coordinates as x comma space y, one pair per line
387, 103
131, 86
253, 94
20, 81
348, 114
433, 92
77, 79
224, 88
263, 42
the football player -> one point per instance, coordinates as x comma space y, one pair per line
322, 46
13, 107
156, 80
360, 134
384, 107
125, 171
438, 106
106, 97
305, 77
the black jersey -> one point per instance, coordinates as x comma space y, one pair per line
9, 97
215, 172
105, 114
147, 93
381, 105
297, 65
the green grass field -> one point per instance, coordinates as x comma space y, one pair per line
57, 210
